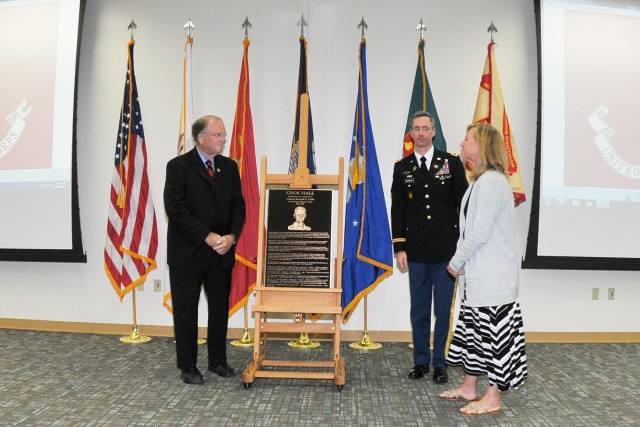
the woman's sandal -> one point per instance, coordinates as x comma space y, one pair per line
453, 395
474, 409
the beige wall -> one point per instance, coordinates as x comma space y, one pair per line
456, 41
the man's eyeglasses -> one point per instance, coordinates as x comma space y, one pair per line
217, 135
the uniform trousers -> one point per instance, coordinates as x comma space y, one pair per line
185, 295
429, 282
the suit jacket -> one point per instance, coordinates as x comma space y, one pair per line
425, 207
196, 204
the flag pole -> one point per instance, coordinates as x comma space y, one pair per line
245, 340
134, 337
421, 28
453, 307
302, 174
365, 343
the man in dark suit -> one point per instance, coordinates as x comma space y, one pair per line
426, 192
206, 212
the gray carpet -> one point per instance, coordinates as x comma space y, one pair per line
64, 379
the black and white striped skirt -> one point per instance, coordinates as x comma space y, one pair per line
490, 340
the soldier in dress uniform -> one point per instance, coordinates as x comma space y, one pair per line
426, 193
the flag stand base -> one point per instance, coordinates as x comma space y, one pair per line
365, 343
135, 337
244, 341
304, 342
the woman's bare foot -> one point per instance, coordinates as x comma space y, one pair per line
488, 404
475, 408
460, 393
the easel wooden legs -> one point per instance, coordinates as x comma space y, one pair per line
333, 369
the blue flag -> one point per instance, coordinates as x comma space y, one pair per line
303, 87
368, 250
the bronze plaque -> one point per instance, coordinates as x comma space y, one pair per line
299, 238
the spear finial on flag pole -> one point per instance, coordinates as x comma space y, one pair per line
363, 25
302, 23
246, 25
132, 26
422, 28
188, 26
492, 29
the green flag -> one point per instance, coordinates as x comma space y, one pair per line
422, 100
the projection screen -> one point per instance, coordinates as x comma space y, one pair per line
586, 201
39, 213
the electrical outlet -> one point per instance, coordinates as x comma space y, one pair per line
595, 294
141, 287
611, 294
157, 285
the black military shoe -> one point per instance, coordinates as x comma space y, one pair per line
418, 372
440, 375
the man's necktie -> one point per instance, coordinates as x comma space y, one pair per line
210, 169
423, 164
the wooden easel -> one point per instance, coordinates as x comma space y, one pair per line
298, 300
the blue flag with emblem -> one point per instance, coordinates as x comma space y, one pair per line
303, 87
368, 252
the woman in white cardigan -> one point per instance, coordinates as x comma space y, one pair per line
489, 334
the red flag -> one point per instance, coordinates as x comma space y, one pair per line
242, 150
132, 232
490, 109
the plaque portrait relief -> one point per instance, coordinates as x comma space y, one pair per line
299, 213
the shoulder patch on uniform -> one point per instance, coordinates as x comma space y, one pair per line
454, 154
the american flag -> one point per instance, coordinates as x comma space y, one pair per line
132, 232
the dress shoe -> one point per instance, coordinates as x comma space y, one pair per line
191, 376
440, 375
418, 372
223, 370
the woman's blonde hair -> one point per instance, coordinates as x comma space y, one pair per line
492, 154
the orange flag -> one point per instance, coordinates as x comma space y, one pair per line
242, 150
490, 109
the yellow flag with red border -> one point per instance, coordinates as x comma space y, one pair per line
490, 109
